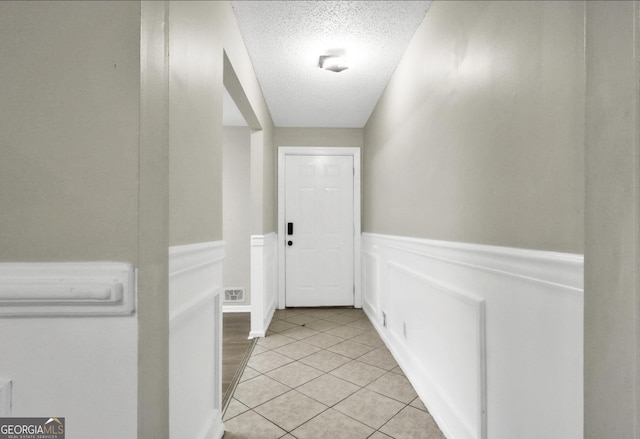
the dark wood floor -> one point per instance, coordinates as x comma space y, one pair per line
235, 345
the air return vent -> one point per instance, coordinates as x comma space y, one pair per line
234, 295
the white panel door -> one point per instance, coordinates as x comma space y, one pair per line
319, 215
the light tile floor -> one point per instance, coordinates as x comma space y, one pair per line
325, 373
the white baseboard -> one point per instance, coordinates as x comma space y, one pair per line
215, 428
236, 308
490, 337
195, 340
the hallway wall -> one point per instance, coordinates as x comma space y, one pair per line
473, 210
247, 93
479, 135
69, 128
236, 211
348, 137
96, 168
84, 178
195, 125
205, 46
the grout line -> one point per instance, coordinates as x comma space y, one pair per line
236, 378
327, 407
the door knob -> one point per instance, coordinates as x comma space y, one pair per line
289, 243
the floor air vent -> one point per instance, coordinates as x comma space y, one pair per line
234, 294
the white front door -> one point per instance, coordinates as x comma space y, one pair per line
319, 230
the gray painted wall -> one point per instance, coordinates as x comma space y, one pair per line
84, 168
348, 137
479, 135
612, 291
195, 126
69, 129
236, 210
247, 94
92, 167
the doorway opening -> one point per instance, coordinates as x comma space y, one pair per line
240, 125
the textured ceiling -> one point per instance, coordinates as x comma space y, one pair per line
285, 39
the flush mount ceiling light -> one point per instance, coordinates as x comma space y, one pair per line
334, 63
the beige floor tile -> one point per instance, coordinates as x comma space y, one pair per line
394, 386
299, 332
234, 409
322, 325
281, 325
417, 403
345, 332
323, 313
332, 424
258, 349
301, 319
323, 340
251, 425
248, 374
358, 312
325, 360
290, 410
370, 339
294, 374
380, 358
341, 318
274, 341
268, 361
412, 423
328, 389
332, 358
297, 350
363, 324
358, 373
350, 349
369, 408
258, 391
289, 312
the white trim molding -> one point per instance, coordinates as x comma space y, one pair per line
195, 340
490, 337
67, 289
264, 282
283, 151
236, 308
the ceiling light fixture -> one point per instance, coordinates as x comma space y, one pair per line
333, 63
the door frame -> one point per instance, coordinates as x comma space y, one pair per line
284, 151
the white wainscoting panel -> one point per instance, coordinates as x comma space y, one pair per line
264, 282
490, 337
195, 340
69, 345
